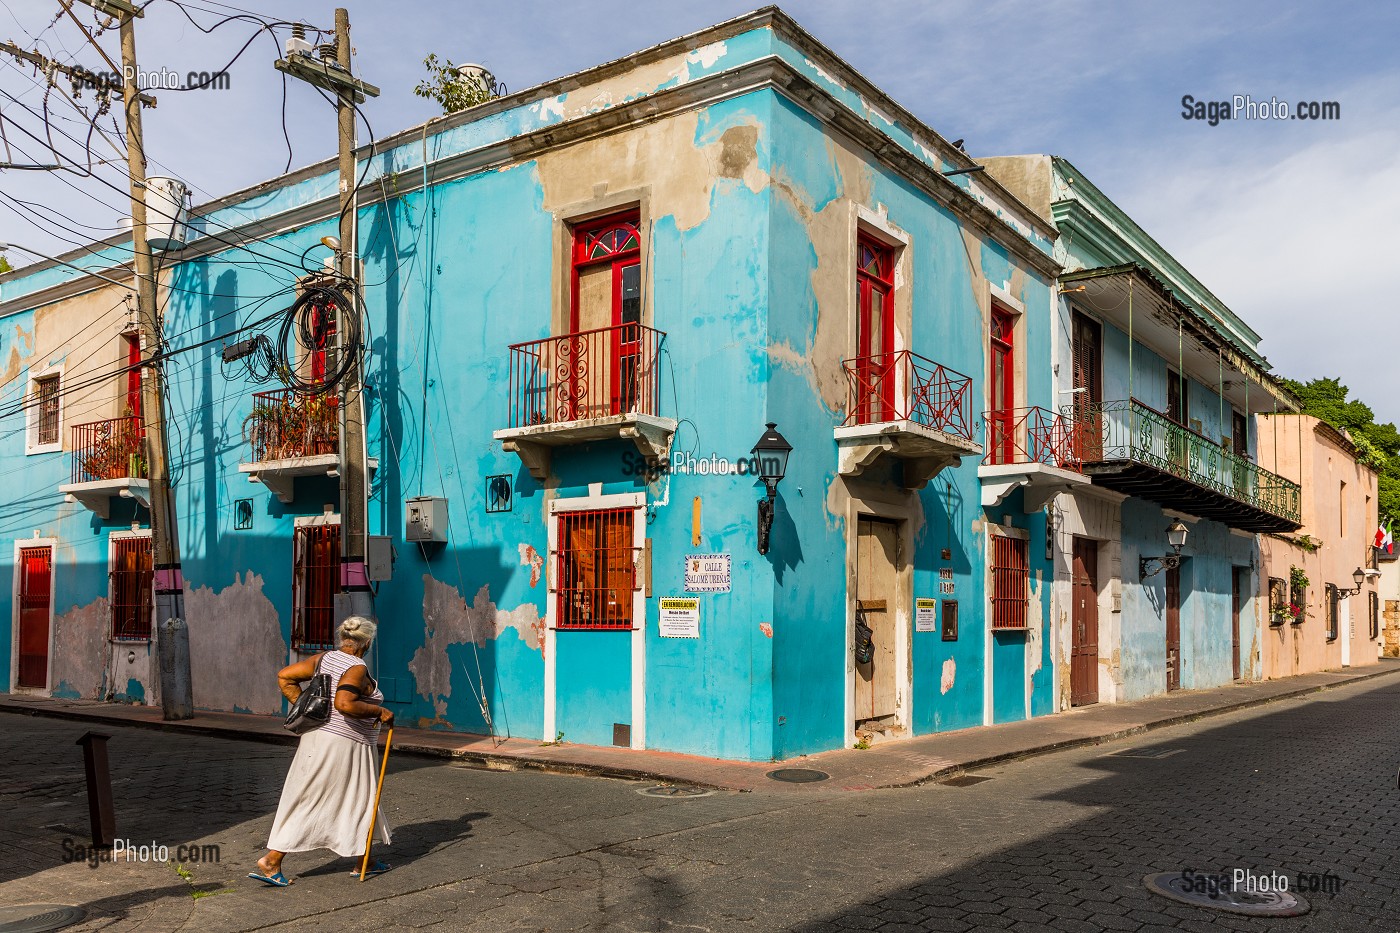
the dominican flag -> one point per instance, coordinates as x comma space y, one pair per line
1385, 541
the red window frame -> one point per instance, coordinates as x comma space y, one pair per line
132, 340
47, 412
596, 569
1010, 583
315, 583
323, 331
614, 241
133, 575
1001, 382
875, 328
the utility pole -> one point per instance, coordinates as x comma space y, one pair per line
172, 634
356, 597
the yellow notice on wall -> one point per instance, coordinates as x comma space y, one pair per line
679, 617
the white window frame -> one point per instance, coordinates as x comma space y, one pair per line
31, 413
596, 500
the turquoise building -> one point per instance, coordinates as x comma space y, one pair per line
584, 302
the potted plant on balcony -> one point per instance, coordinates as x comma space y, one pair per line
115, 454
291, 426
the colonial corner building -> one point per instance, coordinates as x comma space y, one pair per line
999, 392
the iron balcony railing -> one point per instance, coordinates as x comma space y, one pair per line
285, 424
1030, 435
1130, 430
903, 386
111, 449
589, 374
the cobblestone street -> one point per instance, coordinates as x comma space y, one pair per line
1056, 843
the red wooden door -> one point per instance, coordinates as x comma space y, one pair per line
35, 604
1002, 388
133, 376
875, 331
1173, 628
1084, 643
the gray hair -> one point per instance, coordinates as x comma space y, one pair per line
357, 629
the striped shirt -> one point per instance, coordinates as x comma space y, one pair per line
338, 664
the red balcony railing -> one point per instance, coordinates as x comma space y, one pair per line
903, 386
111, 449
1031, 435
590, 374
286, 424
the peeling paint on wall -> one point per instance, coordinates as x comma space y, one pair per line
950, 673
531, 558
766, 628
80, 648
236, 646
448, 620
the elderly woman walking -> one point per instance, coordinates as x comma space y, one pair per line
330, 788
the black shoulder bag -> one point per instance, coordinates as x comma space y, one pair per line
313, 708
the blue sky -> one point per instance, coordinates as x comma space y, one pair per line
1293, 224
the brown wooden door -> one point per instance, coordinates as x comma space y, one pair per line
877, 582
35, 605
1084, 619
1088, 394
1173, 628
1239, 586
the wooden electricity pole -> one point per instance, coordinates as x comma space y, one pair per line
172, 634
335, 76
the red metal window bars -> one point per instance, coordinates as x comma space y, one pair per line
132, 575
110, 449
1031, 435
315, 581
922, 391
596, 569
1010, 583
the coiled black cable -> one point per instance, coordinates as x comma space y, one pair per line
304, 330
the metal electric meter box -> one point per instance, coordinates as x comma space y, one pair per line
427, 520
379, 558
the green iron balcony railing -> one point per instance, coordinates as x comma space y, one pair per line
1131, 431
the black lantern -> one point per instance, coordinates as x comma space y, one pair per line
1176, 538
771, 456
1359, 576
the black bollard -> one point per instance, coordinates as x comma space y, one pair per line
99, 789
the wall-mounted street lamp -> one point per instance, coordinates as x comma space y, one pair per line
771, 452
1176, 538
1357, 575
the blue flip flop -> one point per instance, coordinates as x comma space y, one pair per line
378, 868
278, 880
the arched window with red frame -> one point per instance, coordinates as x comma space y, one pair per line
605, 316
875, 329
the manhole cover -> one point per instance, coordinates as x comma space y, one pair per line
674, 790
798, 775
1153, 753
37, 918
1218, 892
966, 780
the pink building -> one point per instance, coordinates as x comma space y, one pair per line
1321, 605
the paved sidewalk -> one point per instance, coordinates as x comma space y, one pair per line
897, 763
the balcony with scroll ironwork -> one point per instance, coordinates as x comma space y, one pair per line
1032, 449
291, 434
108, 460
594, 385
900, 405
1136, 450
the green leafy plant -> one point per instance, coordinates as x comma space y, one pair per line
1298, 578
446, 86
558, 740
292, 426
187, 877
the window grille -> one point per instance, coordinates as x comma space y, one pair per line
1010, 583
46, 399
1332, 599
132, 578
315, 582
1278, 601
597, 569
1374, 613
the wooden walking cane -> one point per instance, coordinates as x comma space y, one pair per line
374, 810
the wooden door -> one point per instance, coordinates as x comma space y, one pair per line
1178, 410
1173, 628
1088, 393
1084, 643
35, 606
875, 331
1001, 388
877, 582
1239, 586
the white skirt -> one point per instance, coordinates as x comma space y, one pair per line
327, 797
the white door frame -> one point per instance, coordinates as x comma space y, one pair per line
596, 500
1344, 629
52, 545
